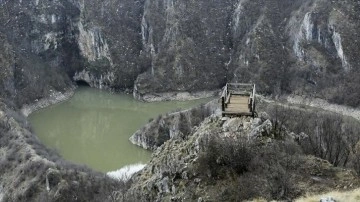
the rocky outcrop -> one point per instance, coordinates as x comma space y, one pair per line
172, 126
178, 170
110, 41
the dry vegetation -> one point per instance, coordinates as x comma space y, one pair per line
307, 154
326, 135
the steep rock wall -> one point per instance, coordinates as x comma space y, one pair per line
37, 37
48, 44
298, 47
110, 42
188, 48
301, 47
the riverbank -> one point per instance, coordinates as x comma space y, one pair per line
316, 103
57, 97
54, 98
174, 96
325, 105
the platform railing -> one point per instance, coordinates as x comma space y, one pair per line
224, 97
239, 88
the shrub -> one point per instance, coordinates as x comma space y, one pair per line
222, 154
198, 114
355, 158
163, 135
330, 136
259, 170
184, 125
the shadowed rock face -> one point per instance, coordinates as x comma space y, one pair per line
302, 47
37, 49
47, 44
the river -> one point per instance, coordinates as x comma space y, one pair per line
93, 127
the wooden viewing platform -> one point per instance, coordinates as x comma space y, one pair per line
238, 99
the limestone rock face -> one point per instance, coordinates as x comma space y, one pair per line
158, 46
296, 47
37, 52
47, 44
187, 47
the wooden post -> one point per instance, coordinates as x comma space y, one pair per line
250, 104
253, 101
223, 104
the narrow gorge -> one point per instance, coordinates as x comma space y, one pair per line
299, 53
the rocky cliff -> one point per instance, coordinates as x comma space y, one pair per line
301, 47
173, 125
48, 44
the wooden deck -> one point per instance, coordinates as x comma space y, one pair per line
238, 104
238, 101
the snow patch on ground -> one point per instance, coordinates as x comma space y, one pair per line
125, 173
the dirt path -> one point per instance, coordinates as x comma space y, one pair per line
316, 103
323, 104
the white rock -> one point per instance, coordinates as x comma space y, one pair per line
327, 199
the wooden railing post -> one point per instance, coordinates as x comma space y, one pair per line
226, 91
254, 91
223, 103
253, 101
239, 91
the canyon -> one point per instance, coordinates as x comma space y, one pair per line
163, 50
154, 47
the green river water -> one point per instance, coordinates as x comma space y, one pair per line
94, 126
